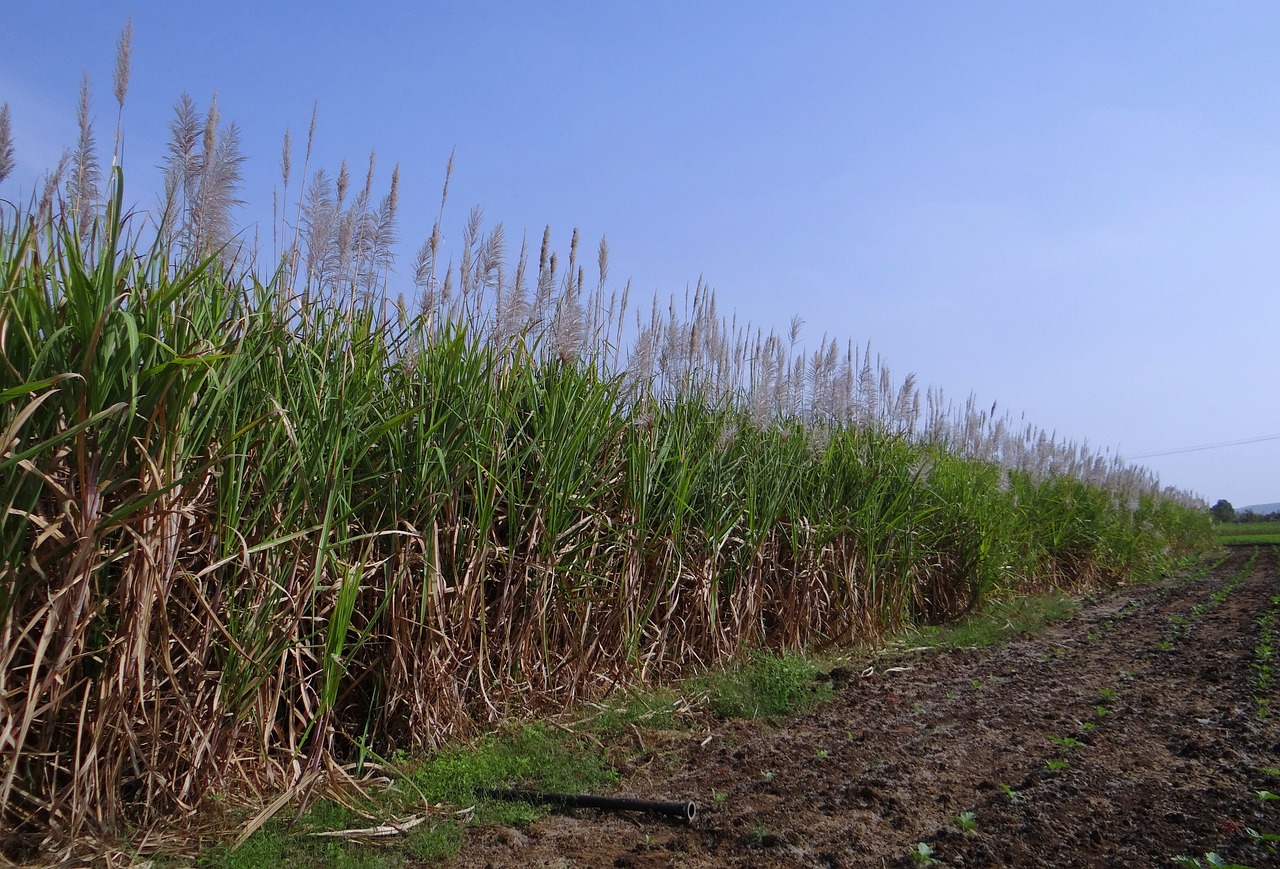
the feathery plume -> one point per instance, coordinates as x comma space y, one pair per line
51, 183
120, 81
604, 259
6, 143
182, 165
344, 181
124, 54
82, 187
211, 126
319, 223
383, 234
219, 182
286, 158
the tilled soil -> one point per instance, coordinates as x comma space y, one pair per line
1129, 735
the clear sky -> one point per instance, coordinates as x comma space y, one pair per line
1070, 207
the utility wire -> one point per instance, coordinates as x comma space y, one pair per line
1257, 440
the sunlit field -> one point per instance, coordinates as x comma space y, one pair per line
1243, 533
263, 512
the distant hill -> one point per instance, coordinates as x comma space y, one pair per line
1261, 508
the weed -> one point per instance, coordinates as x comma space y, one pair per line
764, 685
657, 709
435, 843
275, 846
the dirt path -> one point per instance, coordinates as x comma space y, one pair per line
1124, 737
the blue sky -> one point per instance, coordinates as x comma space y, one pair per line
1072, 208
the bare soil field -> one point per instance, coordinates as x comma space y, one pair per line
1134, 733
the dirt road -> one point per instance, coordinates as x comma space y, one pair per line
1133, 733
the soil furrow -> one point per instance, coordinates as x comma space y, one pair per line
1126, 736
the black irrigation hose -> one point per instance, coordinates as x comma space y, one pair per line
684, 811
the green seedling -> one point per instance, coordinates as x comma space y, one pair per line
1106, 693
1067, 742
922, 854
1009, 792
1267, 796
1211, 859
822, 754
966, 822
1056, 765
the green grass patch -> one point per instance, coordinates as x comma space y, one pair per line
999, 620
286, 843
656, 709
534, 756
762, 685
1245, 533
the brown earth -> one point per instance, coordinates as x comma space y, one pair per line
1166, 676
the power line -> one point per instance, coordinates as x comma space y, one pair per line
1256, 440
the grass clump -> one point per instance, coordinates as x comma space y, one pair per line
658, 709
285, 844
998, 621
532, 756
764, 685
